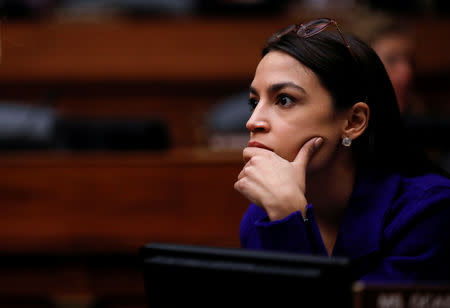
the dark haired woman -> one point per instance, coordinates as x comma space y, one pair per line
328, 169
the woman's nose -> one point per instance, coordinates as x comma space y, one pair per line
258, 121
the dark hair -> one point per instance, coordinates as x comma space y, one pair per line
361, 78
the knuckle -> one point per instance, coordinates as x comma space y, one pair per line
255, 160
242, 174
237, 185
240, 185
246, 172
250, 162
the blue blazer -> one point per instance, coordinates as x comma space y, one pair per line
395, 228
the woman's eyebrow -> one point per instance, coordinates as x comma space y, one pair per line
278, 86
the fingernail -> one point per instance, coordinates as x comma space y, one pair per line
318, 142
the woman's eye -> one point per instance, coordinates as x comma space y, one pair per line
252, 103
285, 100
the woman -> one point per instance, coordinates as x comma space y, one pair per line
328, 170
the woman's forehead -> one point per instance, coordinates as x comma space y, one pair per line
277, 66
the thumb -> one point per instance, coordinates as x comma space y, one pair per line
307, 151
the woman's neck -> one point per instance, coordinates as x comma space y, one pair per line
329, 191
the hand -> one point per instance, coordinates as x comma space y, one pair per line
275, 184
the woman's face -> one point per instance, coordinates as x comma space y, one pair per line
291, 107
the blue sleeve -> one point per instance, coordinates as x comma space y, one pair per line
290, 234
416, 243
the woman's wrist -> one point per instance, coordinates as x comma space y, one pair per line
283, 209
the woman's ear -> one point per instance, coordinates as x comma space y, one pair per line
357, 120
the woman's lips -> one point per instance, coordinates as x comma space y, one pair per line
258, 145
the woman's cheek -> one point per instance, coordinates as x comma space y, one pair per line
291, 153
286, 154
322, 157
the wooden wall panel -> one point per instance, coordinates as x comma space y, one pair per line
104, 203
160, 49
167, 49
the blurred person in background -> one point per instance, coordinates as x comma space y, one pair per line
393, 41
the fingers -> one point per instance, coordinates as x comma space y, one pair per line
246, 186
242, 173
247, 189
307, 151
250, 152
247, 182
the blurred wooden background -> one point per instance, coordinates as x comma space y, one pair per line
72, 223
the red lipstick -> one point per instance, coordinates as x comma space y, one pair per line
258, 145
